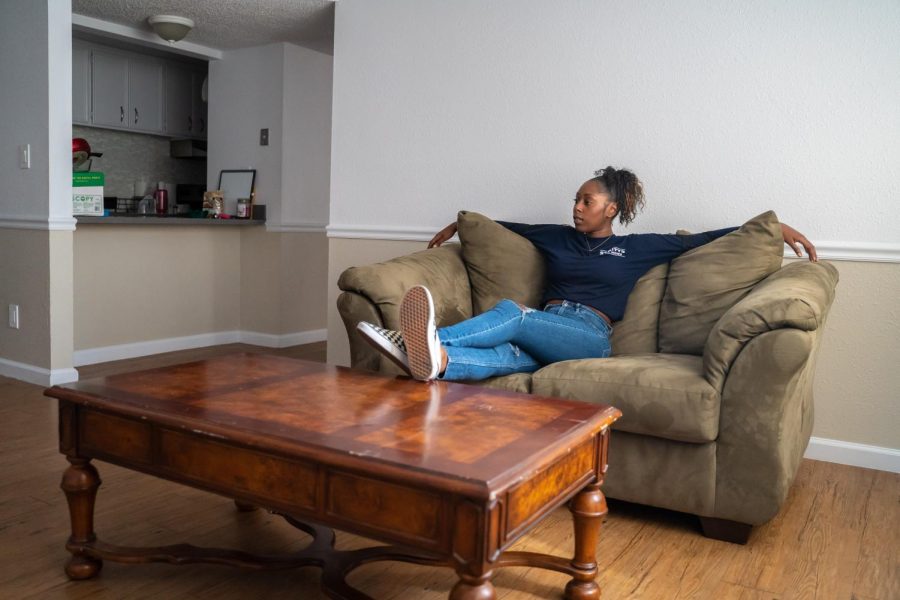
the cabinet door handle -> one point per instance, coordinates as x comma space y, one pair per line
190, 124
121, 114
202, 125
135, 116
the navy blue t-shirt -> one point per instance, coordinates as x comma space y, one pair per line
603, 277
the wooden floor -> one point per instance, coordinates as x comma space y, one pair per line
838, 536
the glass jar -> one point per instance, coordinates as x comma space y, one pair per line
243, 208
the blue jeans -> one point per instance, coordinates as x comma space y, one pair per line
509, 339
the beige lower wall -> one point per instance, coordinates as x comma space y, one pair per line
857, 388
25, 280
136, 284
62, 286
283, 281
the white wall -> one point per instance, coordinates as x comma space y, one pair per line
723, 109
245, 95
287, 89
306, 138
23, 33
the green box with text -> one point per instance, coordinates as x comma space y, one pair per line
87, 193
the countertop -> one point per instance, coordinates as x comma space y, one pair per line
165, 221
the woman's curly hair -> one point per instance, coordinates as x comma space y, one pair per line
625, 189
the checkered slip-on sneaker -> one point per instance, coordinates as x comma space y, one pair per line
387, 341
420, 333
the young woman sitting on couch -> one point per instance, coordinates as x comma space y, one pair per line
590, 273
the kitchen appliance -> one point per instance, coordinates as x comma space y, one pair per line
190, 194
81, 154
187, 148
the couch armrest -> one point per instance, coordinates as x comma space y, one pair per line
765, 421
440, 269
354, 308
796, 296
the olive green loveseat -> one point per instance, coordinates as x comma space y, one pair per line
712, 364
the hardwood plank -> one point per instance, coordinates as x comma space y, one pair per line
846, 489
732, 591
772, 548
838, 535
878, 567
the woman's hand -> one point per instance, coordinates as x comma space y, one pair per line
443, 235
792, 237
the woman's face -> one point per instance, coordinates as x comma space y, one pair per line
594, 209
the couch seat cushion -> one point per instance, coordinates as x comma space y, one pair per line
663, 395
517, 382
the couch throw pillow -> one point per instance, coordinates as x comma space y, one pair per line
706, 281
501, 264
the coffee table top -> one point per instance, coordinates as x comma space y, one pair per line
464, 436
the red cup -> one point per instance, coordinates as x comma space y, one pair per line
162, 201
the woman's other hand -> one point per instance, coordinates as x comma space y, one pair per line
443, 235
792, 237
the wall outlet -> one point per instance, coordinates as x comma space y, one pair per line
14, 316
264, 137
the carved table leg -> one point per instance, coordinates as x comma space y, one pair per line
588, 509
80, 483
471, 587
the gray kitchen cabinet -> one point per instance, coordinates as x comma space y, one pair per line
81, 84
185, 109
126, 91
145, 94
109, 88
198, 106
179, 80
122, 89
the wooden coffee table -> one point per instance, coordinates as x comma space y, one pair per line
448, 474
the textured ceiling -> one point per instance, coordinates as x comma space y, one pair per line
228, 24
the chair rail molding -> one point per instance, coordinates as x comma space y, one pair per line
36, 222
297, 227
829, 250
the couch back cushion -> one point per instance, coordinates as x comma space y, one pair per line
501, 264
705, 282
637, 332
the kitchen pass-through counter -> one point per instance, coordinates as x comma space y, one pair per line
165, 221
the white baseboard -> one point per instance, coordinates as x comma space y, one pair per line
92, 356
36, 375
857, 455
283, 341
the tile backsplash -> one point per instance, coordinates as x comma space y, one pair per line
130, 156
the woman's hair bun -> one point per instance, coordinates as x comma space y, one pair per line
625, 189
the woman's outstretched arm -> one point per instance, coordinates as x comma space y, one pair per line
792, 237
443, 235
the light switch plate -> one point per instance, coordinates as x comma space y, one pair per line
264, 137
25, 156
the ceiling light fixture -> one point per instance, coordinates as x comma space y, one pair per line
170, 27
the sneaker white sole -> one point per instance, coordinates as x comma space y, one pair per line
419, 334
374, 339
